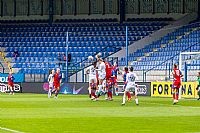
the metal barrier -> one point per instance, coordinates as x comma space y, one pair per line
169, 66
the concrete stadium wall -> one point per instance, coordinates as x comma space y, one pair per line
95, 16
175, 16
156, 35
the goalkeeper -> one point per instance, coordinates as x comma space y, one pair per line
198, 86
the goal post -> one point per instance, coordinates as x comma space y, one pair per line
189, 64
182, 54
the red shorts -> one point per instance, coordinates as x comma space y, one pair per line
108, 77
11, 84
56, 85
114, 81
176, 84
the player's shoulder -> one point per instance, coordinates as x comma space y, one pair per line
132, 73
102, 63
129, 73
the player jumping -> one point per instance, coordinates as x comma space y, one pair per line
51, 80
130, 79
101, 77
11, 83
177, 83
57, 82
92, 79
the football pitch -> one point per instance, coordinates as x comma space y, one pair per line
76, 113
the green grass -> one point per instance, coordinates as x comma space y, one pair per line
38, 114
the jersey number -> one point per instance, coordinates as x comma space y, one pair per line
132, 78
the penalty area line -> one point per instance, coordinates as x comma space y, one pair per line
10, 130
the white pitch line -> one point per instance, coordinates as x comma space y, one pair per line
10, 130
157, 103
172, 105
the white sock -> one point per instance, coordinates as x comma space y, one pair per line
100, 88
49, 92
136, 100
89, 91
106, 96
124, 99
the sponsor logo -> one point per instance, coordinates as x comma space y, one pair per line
142, 89
4, 88
164, 89
3, 79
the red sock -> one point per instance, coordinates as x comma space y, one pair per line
92, 93
177, 96
129, 95
109, 94
174, 96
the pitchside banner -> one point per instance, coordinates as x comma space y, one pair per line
74, 88
144, 88
18, 77
65, 88
4, 88
77, 88
164, 89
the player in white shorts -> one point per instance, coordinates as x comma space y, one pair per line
50, 80
101, 76
131, 86
92, 76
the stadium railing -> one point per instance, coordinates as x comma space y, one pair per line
36, 73
168, 64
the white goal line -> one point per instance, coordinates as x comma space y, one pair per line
10, 130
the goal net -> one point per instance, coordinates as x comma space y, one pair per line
189, 64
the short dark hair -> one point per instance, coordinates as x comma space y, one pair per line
131, 68
175, 65
94, 64
126, 68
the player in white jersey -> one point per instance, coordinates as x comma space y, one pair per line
51, 80
91, 71
101, 76
131, 86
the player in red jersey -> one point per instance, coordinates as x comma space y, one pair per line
108, 70
108, 76
57, 82
115, 71
11, 83
177, 83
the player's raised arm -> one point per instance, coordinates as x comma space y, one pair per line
49, 78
